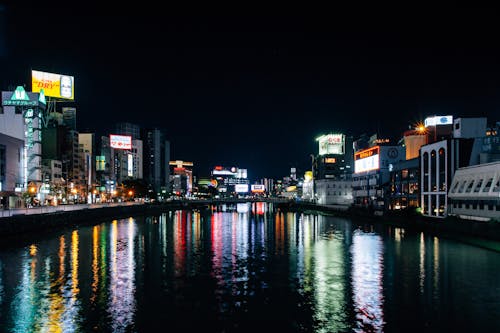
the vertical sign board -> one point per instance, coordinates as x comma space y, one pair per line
130, 165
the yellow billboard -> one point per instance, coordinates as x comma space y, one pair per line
53, 85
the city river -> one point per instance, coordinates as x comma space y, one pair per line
246, 267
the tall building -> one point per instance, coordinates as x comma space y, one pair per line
11, 150
181, 177
156, 159
22, 119
125, 128
335, 157
105, 166
129, 162
69, 117
88, 150
72, 167
332, 170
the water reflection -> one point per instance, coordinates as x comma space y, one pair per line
122, 300
246, 267
329, 278
367, 267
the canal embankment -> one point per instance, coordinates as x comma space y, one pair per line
33, 221
478, 233
23, 223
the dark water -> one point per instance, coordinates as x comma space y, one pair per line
247, 268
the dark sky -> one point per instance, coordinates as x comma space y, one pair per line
254, 91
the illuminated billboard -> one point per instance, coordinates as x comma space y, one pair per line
331, 144
366, 160
257, 188
241, 188
53, 85
438, 120
223, 172
130, 165
120, 141
100, 163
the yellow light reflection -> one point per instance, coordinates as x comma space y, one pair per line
33, 250
422, 262
56, 301
74, 263
62, 255
436, 262
95, 262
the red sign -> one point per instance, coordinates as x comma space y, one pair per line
120, 141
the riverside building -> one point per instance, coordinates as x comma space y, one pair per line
440, 159
332, 170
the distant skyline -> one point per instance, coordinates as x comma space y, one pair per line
255, 91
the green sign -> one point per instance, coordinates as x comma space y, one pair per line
21, 98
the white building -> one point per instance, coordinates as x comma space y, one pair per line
334, 192
22, 119
475, 192
439, 161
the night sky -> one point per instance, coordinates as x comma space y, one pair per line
255, 91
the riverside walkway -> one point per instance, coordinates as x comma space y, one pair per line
171, 203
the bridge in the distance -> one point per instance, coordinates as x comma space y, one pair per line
285, 203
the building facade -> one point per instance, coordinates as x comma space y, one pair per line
156, 160
371, 177
475, 192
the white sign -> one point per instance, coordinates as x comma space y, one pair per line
223, 172
241, 188
257, 188
331, 144
120, 141
366, 164
130, 165
438, 120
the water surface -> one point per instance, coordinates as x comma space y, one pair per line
246, 268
